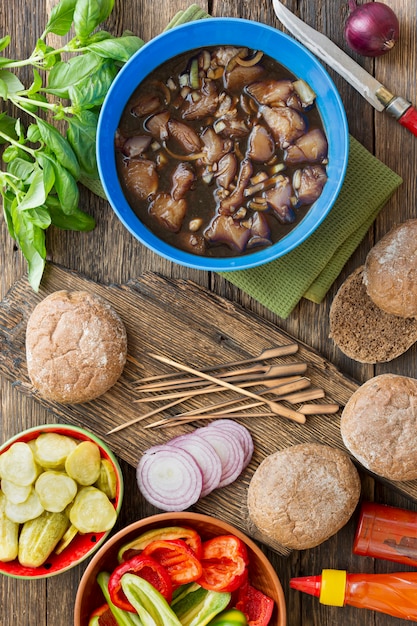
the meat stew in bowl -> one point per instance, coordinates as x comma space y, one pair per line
221, 151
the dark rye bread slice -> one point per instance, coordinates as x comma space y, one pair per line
363, 331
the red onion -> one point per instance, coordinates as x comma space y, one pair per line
372, 29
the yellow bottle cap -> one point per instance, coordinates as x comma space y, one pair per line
333, 586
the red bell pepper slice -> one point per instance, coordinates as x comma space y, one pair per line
145, 567
177, 558
189, 535
255, 604
225, 563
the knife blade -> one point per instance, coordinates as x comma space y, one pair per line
369, 87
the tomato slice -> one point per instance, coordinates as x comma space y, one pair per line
145, 567
177, 558
255, 604
225, 563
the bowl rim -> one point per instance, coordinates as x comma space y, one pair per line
178, 516
101, 537
175, 41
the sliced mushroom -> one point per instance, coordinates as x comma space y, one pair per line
169, 212
196, 108
308, 183
286, 124
184, 135
157, 125
141, 177
232, 202
311, 147
279, 198
224, 229
183, 178
261, 146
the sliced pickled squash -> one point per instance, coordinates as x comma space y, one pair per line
92, 511
9, 533
24, 511
55, 490
69, 535
107, 480
39, 537
52, 449
83, 463
15, 493
18, 464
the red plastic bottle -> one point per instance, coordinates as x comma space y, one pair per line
387, 532
393, 594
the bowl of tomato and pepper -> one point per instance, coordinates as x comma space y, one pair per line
180, 569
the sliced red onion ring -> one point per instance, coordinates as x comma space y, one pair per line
241, 433
206, 457
230, 452
169, 478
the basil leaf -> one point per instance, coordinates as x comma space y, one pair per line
31, 241
78, 220
91, 93
77, 70
39, 217
61, 17
4, 42
59, 146
35, 195
21, 169
120, 49
89, 14
13, 84
7, 126
82, 132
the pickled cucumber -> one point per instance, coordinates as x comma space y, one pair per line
55, 490
15, 493
92, 511
107, 480
9, 533
52, 449
24, 511
83, 463
39, 537
18, 464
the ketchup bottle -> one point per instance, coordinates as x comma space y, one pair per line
393, 594
387, 532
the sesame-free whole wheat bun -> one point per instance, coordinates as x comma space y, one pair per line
379, 426
76, 346
304, 494
390, 273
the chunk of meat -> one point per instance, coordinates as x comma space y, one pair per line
224, 229
231, 126
311, 147
215, 147
136, 146
308, 183
183, 178
184, 135
169, 212
232, 202
226, 171
279, 199
240, 76
286, 124
261, 146
222, 55
141, 177
201, 103
146, 104
192, 242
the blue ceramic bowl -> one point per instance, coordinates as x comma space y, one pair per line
211, 32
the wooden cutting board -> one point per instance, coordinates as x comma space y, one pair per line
185, 322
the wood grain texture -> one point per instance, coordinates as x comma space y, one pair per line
111, 255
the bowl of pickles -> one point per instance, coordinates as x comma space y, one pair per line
61, 492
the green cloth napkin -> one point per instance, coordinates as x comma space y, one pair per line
310, 269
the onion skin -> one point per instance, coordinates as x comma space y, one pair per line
371, 29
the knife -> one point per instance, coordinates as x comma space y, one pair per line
371, 89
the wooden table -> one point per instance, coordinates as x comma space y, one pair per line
110, 254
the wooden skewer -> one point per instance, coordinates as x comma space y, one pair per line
135, 420
270, 353
304, 396
185, 381
168, 422
319, 409
273, 371
296, 383
279, 409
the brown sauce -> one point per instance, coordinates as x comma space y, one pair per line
221, 152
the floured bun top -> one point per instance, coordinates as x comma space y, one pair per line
379, 426
390, 273
304, 494
76, 346
362, 330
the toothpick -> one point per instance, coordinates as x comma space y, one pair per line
135, 420
274, 406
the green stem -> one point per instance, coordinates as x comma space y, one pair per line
21, 146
